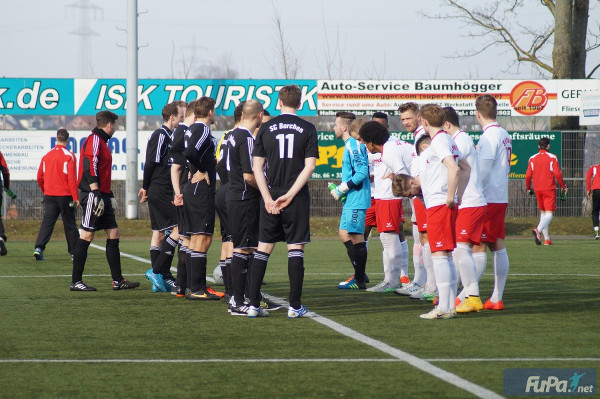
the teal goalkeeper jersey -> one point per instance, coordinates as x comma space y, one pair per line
355, 167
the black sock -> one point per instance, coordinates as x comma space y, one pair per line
181, 269
259, 267
351, 250
188, 267
229, 278
198, 280
113, 256
239, 271
165, 258
154, 252
360, 250
296, 276
79, 256
249, 277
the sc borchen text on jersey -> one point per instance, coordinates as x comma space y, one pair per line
286, 126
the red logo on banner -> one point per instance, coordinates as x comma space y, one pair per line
528, 98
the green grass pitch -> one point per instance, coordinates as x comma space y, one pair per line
181, 348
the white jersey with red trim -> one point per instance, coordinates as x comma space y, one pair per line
495, 145
382, 187
435, 189
418, 133
473, 196
397, 155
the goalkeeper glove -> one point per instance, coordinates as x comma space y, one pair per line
98, 209
113, 203
339, 191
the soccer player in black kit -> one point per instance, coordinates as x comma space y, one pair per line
179, 178
286, 148
199, 196
157, 190
243, 204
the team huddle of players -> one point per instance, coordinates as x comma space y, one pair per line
263, 158
458, 192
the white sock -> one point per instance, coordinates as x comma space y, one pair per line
480, 259
545, 219
390, 268
466, 266
443, 277
404, 257
420, 275
500, 261
545, 231
430, 284
540, 225
453, 280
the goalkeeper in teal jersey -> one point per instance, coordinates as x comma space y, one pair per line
356, 188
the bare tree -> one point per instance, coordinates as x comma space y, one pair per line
287, 63
497, 24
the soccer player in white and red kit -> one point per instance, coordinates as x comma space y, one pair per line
592, 188
494, 151
443, 184
543, 167
423, 284
396, 155
470, 218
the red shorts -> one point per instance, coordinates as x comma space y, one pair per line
420, 215
441, 228
389, 215
546, 200
494, 222
371, 220
469, 224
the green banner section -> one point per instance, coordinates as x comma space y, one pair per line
524, 145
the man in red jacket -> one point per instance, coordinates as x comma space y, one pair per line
57, 178
544, 169
98, 204
592, 187
4, 181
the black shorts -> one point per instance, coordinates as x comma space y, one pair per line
161, 208
244, 218
291, 225
200, 211
181, 221
222, 213
89, 222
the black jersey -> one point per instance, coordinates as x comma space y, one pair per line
285, 141
176, 152
222, 168
200, 152
157, 168
240, 145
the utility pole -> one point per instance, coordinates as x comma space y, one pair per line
131, 184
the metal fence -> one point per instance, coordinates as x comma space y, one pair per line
579, 151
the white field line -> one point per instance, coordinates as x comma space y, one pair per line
324, 360
519, 359
414, 361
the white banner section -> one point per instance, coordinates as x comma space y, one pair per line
515, 97
590, 108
